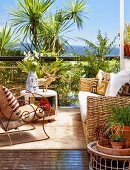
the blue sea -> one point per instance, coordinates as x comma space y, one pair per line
74, 49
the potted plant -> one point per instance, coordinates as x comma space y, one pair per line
117, 141
120, 120
127, 40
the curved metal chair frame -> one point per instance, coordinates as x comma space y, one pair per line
16, 130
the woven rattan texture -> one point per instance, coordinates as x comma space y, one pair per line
86, 84
98, 109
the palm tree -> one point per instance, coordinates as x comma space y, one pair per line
7, 40
28, 18
75, 12
55, 28
53, 32
49, 32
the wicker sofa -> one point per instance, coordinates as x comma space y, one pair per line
98, 108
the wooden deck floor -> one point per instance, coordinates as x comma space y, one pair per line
44, 159
32, 157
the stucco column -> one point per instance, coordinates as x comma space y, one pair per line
122, 60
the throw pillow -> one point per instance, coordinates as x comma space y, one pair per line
100, 84
124, 90
117, 81
94, 86
108, 87
9, 106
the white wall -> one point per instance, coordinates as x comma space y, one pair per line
127, 64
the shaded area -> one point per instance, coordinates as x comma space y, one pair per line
44, 159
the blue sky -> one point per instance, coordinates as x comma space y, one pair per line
102, 14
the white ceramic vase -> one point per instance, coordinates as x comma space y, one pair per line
32, 82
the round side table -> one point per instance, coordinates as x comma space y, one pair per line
40, 93
101, 161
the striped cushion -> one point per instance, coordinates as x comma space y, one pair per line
9, 106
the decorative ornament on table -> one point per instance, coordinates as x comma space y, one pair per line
32, 82
30, 65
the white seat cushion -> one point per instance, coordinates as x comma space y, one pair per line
83, 103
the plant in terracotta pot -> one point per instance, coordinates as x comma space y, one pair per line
127, 40
102, 135
120, 120
117, 141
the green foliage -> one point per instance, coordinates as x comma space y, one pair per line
11, 75
51, 68
46, 33
67, 75
96, 56
55, 27
30, 62
116, 137
13, 52
93, 64
28, 18
75, 12
101, 48
127, 33
7, 40
120, 116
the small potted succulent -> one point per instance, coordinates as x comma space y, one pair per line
117, 141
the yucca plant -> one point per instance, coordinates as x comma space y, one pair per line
7, 40
55, 28
74, 11
28, 18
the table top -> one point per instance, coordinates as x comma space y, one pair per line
47, 93
92, 149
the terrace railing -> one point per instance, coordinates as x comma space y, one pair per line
11, 75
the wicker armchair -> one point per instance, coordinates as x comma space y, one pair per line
98, 109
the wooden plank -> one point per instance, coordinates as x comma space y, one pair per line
44, 159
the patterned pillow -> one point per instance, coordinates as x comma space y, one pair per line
94, 86
124, 90
102, 83
9, 106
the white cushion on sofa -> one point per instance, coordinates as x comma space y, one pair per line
83, 103
117, 81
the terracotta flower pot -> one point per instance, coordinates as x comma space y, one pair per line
117, 145
127, 49
106, 149
126, 134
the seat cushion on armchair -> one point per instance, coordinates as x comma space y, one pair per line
83, 103
30, 113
